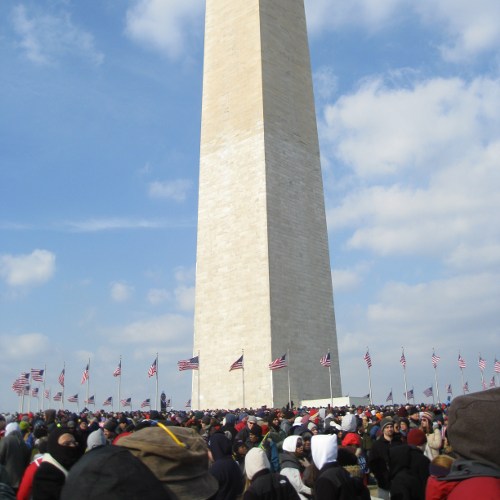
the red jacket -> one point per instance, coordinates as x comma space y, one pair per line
483, 488
26, 485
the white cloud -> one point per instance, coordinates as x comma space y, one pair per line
345, 279
185, 274
107, 224
25, 270
171, 190
121, 292
22, 347
184, 296
165, 328
157, 296
164, 26
325, 83
371, 15
45, 39
472, 28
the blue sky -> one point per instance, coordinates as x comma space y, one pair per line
99, 149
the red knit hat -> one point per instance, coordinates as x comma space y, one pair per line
416, 437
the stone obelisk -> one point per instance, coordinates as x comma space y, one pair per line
263, 277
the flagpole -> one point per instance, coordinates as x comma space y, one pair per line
88, 382
437, 386
369, 379
482, 375
288, 374
119, 384
156, 398
29, 393
62, 399
243, 375
44, 379
330, 377
404, 374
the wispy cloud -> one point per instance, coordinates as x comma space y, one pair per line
27, 270
108, 224
121, 292
164, 26
46, 39
171, 190
23, 346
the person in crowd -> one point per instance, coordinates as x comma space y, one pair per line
264, 484
292, 464
109, 429
224, 468
62, 453
414, 417
439, 468
14, 454
379, 457
433, 434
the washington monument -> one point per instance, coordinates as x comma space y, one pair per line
263, 278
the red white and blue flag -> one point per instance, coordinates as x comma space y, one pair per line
435, 359
46, 394
37, 375
61, 377
108, 401
58, 396
403, 360
238, 364
189, 364
126, 402
368, 359
73, 399
409, 394
146, 402
497, 366
90, 401
153, 368
461, 362
326, 360
492, 382
278, 363
21, 382
466, 387
482, 363
85, 375
34, 392
428, 392
389, 397
118, 370
188, 403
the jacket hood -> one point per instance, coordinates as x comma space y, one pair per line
255, 461
324, 449
220, 446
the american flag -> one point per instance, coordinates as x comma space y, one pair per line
484, 385
409, 394
278, 363
492, 382
238, 364
188, 403
428, 392
448, 389
26, 391
466, 387
461, 362
37, 375
126, 402
46, 394
85, 375
389, 397
403, 360
153, 368
90, 401
326, 361
368, 359
73, 399
118, 370
482, 363
34, 392
58, 396
435, 359
497, 366
21, 382
188, 364
61, 377
146, 402
108, 401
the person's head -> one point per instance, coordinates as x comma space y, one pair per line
84, 425
417, 438
324, 449
414, 414
441, 465
255, 461
295, 445
387, 428
63, 447
468, 420
240, 448
252, 422
255, 433
109, 429
404, 426
426, 419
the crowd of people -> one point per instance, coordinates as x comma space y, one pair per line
403, 452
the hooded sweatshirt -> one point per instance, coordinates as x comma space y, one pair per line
291, 468
14, 454
225, 469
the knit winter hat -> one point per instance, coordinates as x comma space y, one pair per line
416, 437
428, 415
467, 432
96, 439
386, 421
